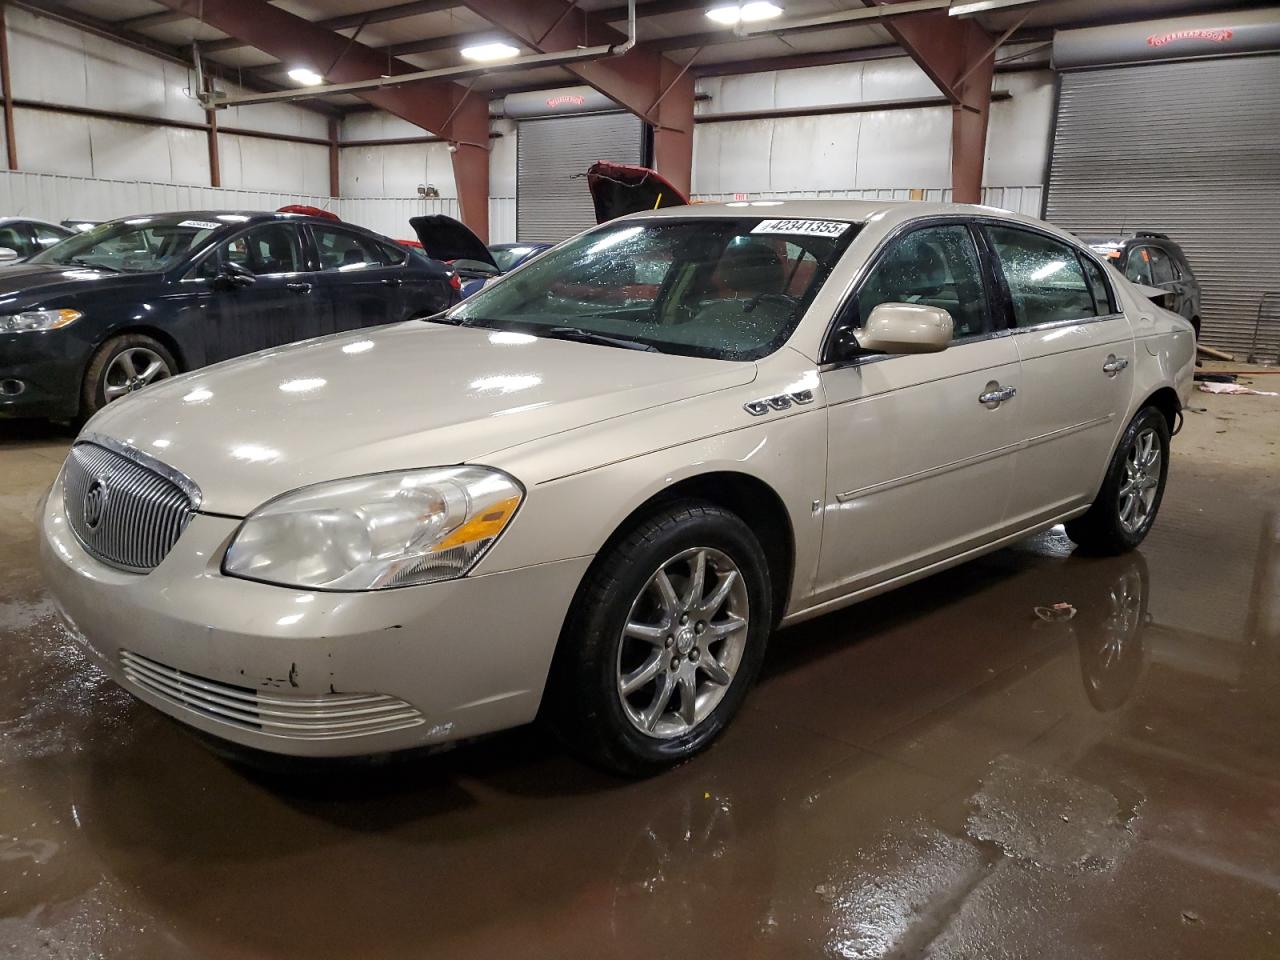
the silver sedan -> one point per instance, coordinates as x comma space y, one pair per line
592, 491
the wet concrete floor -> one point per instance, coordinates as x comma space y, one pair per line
936, 772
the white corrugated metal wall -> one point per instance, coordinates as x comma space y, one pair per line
865, 153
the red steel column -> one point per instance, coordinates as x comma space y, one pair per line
959, 57
636, 80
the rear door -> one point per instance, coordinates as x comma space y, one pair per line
281, 304
920, 453
1076, 350
362, 288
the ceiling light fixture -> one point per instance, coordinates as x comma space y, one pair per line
485, 52
305, 76
982, 6
753, 11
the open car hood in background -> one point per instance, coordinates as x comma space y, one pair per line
619, 188
447, 239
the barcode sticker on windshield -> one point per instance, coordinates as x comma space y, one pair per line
808, 228
200, 224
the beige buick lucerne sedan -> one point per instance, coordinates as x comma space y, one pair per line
591, 491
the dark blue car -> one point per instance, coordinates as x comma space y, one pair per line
142, 298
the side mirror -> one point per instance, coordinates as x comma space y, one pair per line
233, 276
906, 328
8, 254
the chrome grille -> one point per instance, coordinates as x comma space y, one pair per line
335, 716
127, 509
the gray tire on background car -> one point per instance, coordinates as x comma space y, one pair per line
1126, 506
121, 366
664, 639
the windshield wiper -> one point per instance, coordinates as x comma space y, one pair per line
81, 262
579, 335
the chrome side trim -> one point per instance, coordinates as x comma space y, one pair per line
972, 461
129, 452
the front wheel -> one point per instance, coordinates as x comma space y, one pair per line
664, 640
121, 366
1126, 506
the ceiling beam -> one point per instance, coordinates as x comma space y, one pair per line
447, 109
654, 88
350, 21
110, 30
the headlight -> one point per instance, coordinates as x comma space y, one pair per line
383, 530
38, 320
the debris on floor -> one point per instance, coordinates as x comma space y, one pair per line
1057, 613
1235, 389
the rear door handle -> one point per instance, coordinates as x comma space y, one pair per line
392, 281
994, 395
298, 286
1114, 365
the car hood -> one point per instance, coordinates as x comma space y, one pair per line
411, 395
29, 283
619, 188
447, 239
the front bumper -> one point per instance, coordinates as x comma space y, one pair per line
308, 673
48, 365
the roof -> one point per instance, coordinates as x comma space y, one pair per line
858, 211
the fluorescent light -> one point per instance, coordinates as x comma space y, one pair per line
305, 76
757, 10
727, 15
751, 12
981, 6
490, 51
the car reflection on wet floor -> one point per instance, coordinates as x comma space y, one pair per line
934, 771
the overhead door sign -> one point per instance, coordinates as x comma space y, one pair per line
1220, 35
807, 228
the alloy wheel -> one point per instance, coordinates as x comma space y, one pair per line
133, 369
683, 642
1141, 481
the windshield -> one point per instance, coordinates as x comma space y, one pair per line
131, 246
727, 288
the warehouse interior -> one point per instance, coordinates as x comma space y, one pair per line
1037, 752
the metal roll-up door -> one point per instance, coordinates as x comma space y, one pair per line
552, 157
1189, 149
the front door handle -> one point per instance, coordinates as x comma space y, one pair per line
994, 395
392, 281
298, 286
1114, 365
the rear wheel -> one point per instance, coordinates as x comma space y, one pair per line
664, 640
122, 366
1126, 506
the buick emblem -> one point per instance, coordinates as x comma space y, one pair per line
95, 503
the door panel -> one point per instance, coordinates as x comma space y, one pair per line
361, 288
918, 468
282, 305
1077, 365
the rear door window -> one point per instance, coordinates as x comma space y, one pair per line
1161, 266
1045, 280
1099, 286
340, 250
270, 248
1138, 266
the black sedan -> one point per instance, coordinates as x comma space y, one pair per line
136, 300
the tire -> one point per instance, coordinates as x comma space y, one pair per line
640, 733
110, 365
1103, 529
